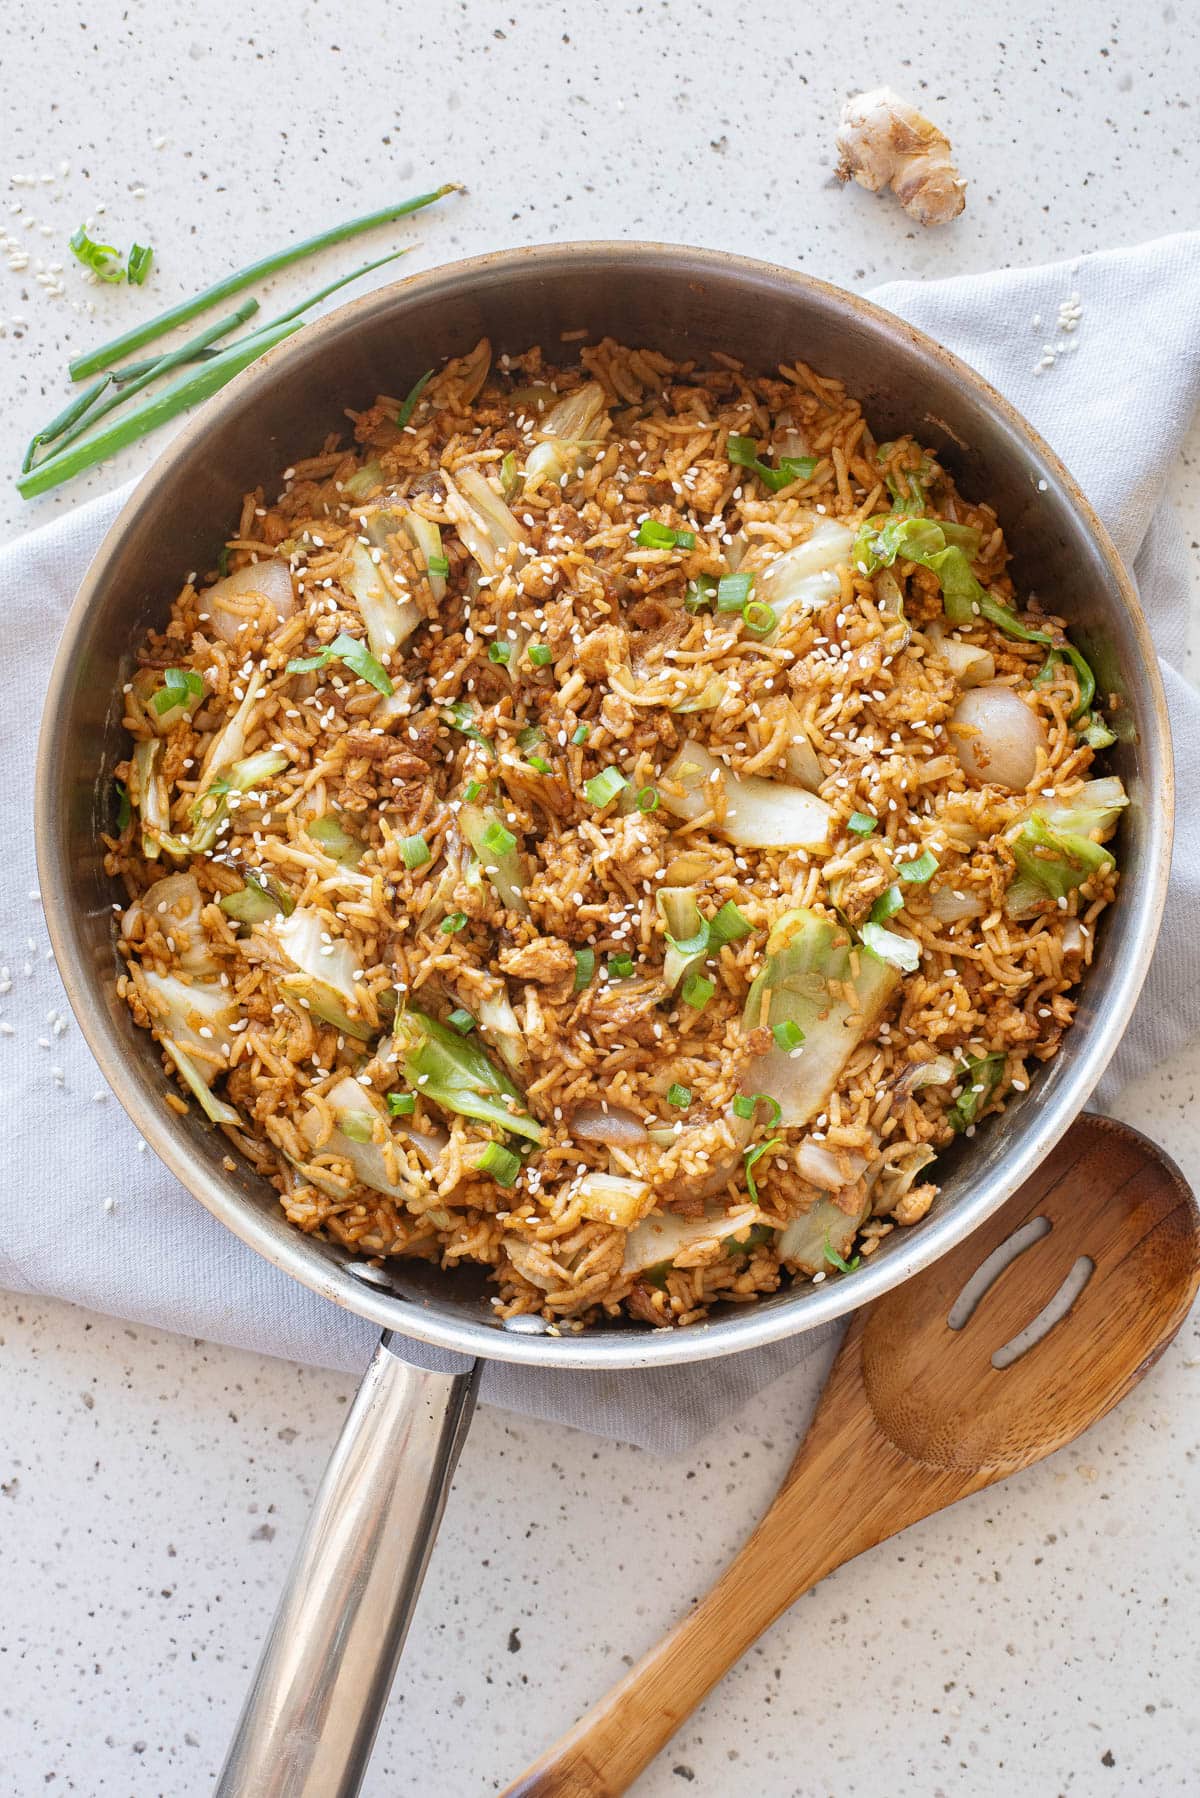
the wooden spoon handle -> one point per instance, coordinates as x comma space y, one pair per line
605, 1751
848, 1489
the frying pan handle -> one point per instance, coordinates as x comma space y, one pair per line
310, 1719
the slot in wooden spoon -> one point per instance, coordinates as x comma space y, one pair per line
915, 1415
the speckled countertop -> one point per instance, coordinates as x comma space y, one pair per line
1040, 1639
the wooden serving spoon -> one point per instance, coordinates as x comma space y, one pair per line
917, 1413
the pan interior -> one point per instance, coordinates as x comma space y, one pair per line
685, 303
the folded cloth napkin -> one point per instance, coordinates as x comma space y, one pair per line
84, 1216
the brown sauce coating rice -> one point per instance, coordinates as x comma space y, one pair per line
861, 674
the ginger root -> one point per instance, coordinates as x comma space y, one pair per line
885, 142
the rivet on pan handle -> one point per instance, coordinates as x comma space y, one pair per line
327, 1667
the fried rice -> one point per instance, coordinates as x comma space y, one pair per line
610, 823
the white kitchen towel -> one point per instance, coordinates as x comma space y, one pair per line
87, 1214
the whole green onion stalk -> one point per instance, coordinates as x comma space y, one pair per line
101, 358
189, 390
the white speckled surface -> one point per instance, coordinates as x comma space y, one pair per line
1041, 1639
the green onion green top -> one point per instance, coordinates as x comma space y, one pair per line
919, 871
733, 590
355, 655
887, 905
603, 788
98, 257
409, 403
653, 535
698, 990
137, 267
500, 1163
743, 453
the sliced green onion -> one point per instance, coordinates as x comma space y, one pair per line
580, 734
653, 535
455, 922
862, 823
355, 655
733, 590
530, 737
401, 1105
919, 871
472, 791
137, 267
124, 808
500, 1163
759, 618
500, 653
788, 1035
461, 1020
539, 763
751, 1159
603, 788
647, 799
97, 257
540, 654
499, 839
743, 453
698, 990
701, 593
887, 905
728, 925
223, 560
438, 565
409, 404
839, 1261
95, 360
744, 1105
415, 851
679, 1096
179, 686
619, 967
585, 967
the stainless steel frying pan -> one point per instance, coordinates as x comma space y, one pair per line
329, 1661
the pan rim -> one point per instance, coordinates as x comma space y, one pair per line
751, 1327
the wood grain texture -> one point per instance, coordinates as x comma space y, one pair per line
914, 1416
